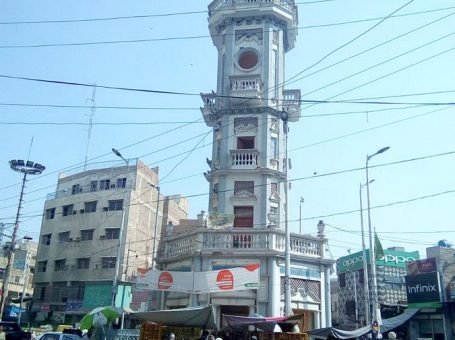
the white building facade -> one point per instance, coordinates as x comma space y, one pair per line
249, 113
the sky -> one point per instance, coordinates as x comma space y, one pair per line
383, 70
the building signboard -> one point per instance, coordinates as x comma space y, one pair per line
423, 289
391, 258
423, 266
96, 295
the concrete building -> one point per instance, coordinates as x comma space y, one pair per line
249, 114
21, 275
391, 272
98, 227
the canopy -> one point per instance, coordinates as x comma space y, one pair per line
263, 322
203, 317
387, 325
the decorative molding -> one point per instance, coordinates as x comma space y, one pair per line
252, 34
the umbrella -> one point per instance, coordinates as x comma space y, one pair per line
100, 316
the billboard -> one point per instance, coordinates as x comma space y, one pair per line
238, 278
423, 266
423, 290
391, 258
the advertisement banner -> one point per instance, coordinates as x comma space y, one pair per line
423, 289
391, 258
423, 266
238, 278
170, 281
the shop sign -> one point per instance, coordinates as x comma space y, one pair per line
423, 288
423, 266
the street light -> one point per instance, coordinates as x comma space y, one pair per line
115, 282
26, 168
364, 255
287, 232
374, 285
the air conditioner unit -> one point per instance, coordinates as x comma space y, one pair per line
74, 212
112, 186
102, 237
105, 208
82, 211
78, 239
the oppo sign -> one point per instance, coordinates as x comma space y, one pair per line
390, 258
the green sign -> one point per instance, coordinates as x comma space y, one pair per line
97, 296
391, 258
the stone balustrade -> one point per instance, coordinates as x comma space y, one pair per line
239, 240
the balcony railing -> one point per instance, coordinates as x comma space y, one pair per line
244, 159
246, 89
218, 4
211, 104
241, 241
291, 104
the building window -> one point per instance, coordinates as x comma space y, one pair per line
105, 184
350, 307
87, 235
108, 262
90, 206
274, 148
243, 217
68, 210
50, 214
115, 205
46, 239
76, 189
64, 236
342, 280
93, 185
83, 263
59, 265
273, 188
112, 233
42, 266
245, 143
121, 182
243, 186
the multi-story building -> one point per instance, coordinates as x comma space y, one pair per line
21, 274
249, 114
354, 301
98, 227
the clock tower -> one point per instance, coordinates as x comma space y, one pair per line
250, 110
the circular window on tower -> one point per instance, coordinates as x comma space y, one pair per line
248, 59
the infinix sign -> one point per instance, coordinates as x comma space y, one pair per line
423, 288
391, 258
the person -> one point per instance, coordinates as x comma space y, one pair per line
172, 336
2, 333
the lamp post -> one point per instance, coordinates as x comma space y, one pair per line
24, 284
300, 214
365, 264
115, 281
26, 168
287, 232
156, 223
374, 285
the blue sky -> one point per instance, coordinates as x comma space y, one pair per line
406, 72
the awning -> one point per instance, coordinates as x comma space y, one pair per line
387, 325
203, 317
266, 323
